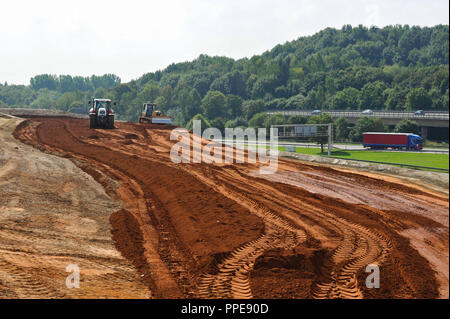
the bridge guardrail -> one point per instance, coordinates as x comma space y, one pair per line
380, 114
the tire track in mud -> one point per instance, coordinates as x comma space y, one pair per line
163, 284
357, 249
231, 279
164, 236
166, 248
25, 284
232, 276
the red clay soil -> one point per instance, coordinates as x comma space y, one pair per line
223, 231
129, 241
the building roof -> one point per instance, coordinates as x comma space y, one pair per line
389, 133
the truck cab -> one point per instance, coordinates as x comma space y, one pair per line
415, 142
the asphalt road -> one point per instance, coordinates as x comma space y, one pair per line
348, 147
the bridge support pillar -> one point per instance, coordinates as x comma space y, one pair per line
424, 132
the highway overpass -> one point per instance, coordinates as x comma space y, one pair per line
431, 119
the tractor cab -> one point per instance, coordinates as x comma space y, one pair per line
101, 114
101, 105
98, 104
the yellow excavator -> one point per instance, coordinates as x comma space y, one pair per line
150, 114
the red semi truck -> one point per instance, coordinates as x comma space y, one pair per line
392, 140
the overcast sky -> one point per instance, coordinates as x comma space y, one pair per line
132, 37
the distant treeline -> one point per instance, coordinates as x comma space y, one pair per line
67, 83
62, 92
393, 68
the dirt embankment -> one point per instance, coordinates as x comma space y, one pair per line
30, 113
222, 230
184, 224
52, 215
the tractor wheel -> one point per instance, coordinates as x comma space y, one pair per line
91, 122
111, 122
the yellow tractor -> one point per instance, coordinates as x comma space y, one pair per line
151, 115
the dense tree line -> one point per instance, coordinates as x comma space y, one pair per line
67, 83
393, 68
62, 92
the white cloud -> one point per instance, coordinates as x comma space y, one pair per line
130, 38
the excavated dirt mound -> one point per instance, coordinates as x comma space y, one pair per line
53, 215
224, 231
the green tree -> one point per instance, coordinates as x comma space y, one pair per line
324, 118
252, 107
372, 96
347, 99
297, 119
396, 99
100, 93
190, 102
234, 105
342, 130
75, 106
45, 99
257, 120
218, 123
17, 95
366, 124
237, 122
436, 98
274, 119
418, 99
66, 83
320, 97
330, 86
204, 122
161, 102
445, 100
407, 126
296, 102
42, 81
149, 93
64, 102
213, 104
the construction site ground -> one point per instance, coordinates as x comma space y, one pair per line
141, 226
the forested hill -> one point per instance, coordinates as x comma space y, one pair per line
395, 68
